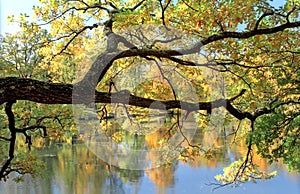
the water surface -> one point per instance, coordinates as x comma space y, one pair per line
74, 169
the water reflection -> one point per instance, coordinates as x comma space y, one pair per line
75, 169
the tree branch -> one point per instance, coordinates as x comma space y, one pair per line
12, 140
12, 88
4, 138
262, 17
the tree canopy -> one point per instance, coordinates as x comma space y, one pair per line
75, 52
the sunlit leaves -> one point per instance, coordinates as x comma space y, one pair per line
20, 52
232, 174
266, 65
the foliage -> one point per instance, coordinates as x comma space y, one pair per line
250, 173
20, 54
278, 136
242, 56
26, 163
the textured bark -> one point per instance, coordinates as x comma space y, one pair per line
12, 88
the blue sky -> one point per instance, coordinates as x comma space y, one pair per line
15, 7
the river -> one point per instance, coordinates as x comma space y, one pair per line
74, 169
133, 164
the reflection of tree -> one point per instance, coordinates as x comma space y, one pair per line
80, 171
225, 152
163, 176
114, 185
226, 149
77, 168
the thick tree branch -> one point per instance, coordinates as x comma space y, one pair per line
105, 60
12, 88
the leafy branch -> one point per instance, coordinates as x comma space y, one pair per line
7, 166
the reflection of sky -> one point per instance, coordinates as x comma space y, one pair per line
278, 185
189, 180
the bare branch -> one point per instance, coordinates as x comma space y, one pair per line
77, 9
4, 138
262, 17
75, 35
290, 12
190, 6
165, 78
137, 5
163, 9
235, 97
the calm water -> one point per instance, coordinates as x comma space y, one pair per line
72, 169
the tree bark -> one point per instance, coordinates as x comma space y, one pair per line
13, 88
